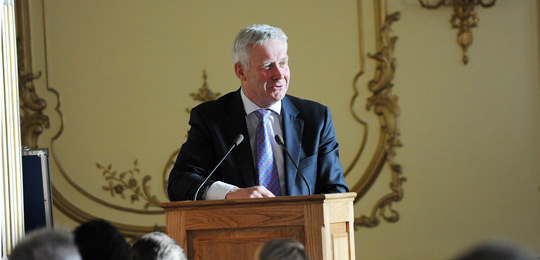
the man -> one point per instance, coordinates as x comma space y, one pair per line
261, 64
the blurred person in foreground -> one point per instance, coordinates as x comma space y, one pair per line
157, 246
47, 244
100, 240
497, 249
281, 249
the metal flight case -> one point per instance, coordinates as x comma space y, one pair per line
36, 189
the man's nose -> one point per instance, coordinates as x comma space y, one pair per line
278, 72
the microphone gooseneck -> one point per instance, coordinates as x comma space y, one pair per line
237, 140
279, 140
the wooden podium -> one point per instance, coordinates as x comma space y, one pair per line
234, 229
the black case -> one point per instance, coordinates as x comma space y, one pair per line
36, 189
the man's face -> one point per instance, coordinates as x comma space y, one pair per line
267, 80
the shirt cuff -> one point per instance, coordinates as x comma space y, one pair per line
218, 191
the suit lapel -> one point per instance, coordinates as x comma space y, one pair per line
235, 123
292, 131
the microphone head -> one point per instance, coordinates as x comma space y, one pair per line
238, 139
279, 140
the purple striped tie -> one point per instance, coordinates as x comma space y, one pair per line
266, 164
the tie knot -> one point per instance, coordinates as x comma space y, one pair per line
262, 114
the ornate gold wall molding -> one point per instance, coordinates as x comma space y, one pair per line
128, 184
384, 104
464, 18
33, 121
131, 232
128, 181
204, 93
90, 195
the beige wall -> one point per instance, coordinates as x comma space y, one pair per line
469, 132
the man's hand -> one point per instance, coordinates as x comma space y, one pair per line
251, 192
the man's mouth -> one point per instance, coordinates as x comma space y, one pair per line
278, 86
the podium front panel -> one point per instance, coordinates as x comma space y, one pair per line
234, 229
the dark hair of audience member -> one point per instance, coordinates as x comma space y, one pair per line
100, 240
281, 249
497, 250
46, 244
157, 246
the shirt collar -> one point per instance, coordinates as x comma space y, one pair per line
249, 106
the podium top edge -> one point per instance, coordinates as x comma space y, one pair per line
282, 199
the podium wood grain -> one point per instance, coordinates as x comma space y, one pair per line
234, 229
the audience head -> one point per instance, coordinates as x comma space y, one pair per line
157, 246
100, 240
46, 244
497, 250
281, 249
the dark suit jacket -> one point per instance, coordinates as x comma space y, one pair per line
309, 136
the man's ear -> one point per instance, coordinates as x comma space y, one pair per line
240, 72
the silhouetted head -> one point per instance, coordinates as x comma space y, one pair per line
100, 240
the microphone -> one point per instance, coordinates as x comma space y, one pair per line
279, 140
237, 140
